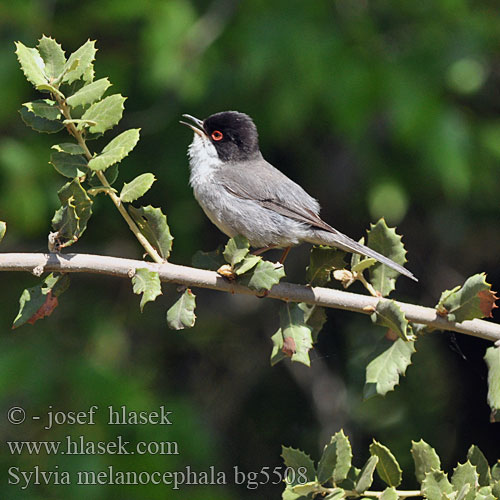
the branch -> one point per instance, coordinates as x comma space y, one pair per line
189, 276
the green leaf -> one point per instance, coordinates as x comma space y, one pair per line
495, 489
315, 317
249, 262
136, 188
365, 478
89, 94
474, 299
153, 225
360, 267
70, 221
384, 240
476, 457
322, 261
106, 113
336, 494
388, 468
44, 108
382, 373
39, 301
31, 63
486, 493
389, 494
116, 150
40, 124
277, 353
52, 55
69, 148
463, 475
69, 165
425, 459
435, 484
297, 339
495, 471
236, 250
208, 260
349, 483
181, 315
335, 461
3, 229
78, 62
389, 314
289, 494
301, 463
492, 358
306, 488
263, 276
148, 283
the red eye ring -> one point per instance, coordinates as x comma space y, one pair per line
217, 135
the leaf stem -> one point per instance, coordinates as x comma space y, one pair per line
359, 276
77, 134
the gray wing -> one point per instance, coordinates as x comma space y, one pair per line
271, 189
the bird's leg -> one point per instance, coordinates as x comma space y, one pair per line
284, 254
262, 250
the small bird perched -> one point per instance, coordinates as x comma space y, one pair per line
243, 194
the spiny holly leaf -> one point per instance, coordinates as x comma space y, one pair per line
153, 225
277, 352
148, 283
435, 484
382, 373
486, 493
315, 317
263, 276
465, 474
69, 148
322, 261
136, 188
388, 468
335, 461
78, 62
365, 478
116, 150
53, 57
236, 250
425, 458
208, 260
384, 240
89, 94
70, 221
388, 313
249, 262
69, 165
474, 299
181, 315
44, 108
31, 63
297, 339
492, 358
39, 301
3, 229
476, 458
289, 494
40, 124
301, 463
106, 113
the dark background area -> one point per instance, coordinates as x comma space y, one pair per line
378, 109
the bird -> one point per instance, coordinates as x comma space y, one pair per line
242, 194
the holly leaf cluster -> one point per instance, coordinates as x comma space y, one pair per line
335, 476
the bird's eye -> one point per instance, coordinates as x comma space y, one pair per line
217, 135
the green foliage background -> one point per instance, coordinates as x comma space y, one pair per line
377, 108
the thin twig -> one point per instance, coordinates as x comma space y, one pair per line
190, 276
77, 134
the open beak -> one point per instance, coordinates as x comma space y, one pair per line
196, 126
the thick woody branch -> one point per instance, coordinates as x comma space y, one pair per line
327, 297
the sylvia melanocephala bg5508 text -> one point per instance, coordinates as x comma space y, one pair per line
243, 194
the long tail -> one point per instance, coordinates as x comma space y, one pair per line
339, 240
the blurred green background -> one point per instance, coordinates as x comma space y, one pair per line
378, 109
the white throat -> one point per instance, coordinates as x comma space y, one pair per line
203, 160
